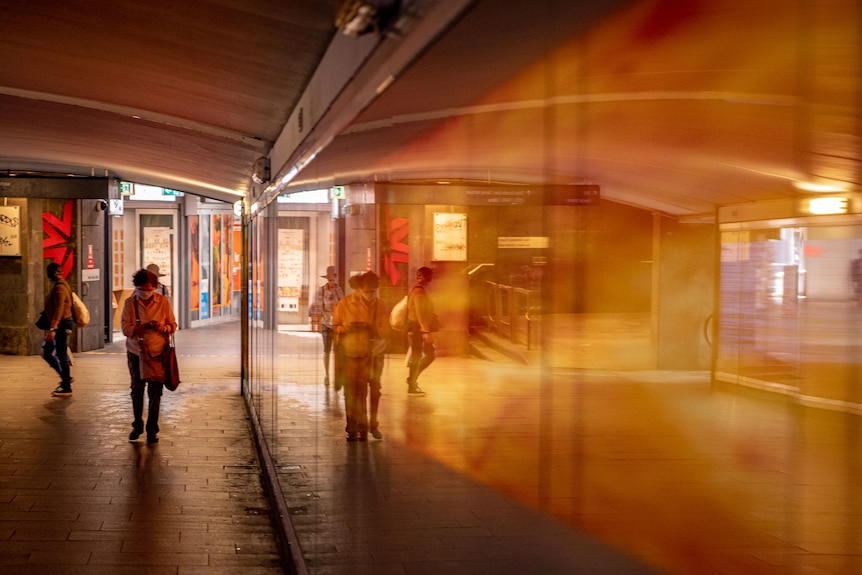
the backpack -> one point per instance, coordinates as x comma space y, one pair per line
79, 311
398, 315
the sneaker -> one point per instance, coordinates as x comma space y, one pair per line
353, 437
152, 438
61, 392
375, 433
416, 392
135, 434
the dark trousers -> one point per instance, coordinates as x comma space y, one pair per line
422, 354
154, 393
362, 392
328, 337
56, 353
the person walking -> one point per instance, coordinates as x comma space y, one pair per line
162, 289
323, 307
421, 326
361, 323
55, 349
148, 322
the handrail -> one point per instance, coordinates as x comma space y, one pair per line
506, 306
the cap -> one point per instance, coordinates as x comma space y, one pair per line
330, 273
155, 269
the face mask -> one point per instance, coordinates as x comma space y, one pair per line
145, 294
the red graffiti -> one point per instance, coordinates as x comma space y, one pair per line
58, 235
396, 231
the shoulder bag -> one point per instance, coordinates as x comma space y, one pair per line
172, 369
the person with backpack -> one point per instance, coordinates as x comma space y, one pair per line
55, 349
421, 325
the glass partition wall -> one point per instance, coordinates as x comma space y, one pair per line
790, 309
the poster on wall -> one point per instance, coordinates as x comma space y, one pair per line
237, 256
10, 230
226, 252
157, 248
206, 258
450, 237
290, 258
195, 279
216, 276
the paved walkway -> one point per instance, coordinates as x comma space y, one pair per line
502, 469
76, 497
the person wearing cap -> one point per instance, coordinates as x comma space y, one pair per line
361, 323
322, 310
148, 321
162, 288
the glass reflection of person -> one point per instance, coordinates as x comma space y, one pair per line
856, 277
361, 323
421, 321
326, 298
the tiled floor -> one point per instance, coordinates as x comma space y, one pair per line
502, 468
76, 497
688, 478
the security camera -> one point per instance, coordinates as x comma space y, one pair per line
261, 171
101, 205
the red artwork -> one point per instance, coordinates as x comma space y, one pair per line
58, 235
398, 252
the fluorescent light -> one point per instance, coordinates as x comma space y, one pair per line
814, 187
827, 206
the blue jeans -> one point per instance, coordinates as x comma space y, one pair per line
56, 353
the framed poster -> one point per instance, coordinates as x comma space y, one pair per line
290, 262
450, 237
10, 230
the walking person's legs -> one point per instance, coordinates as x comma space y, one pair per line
137, 393
61, 341
429, 354
415, 337
375, 391
326, 333
154, 393
50, 357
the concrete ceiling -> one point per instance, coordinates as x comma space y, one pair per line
679, 106
185, 95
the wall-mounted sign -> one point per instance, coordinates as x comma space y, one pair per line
450, 237
90, 275
572, 195
10, 230
115, 206
523, 242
